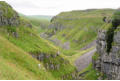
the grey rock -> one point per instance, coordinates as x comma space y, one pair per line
66, 45
59, 43
52, 66
40, 57
15, 34
109, 64
101, 35
117, 38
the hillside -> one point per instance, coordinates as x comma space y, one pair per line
22, 48
74, 45
17, 64
76, 30
42, 17
107, 57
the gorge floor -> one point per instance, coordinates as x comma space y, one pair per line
83, 61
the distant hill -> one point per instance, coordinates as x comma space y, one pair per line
40, 17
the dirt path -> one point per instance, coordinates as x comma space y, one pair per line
84, 60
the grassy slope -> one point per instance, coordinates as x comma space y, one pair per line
29, 41
82, 26
91, 74
23, 67
17, 64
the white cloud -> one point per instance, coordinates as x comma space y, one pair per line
53, 7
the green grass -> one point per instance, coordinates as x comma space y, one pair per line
95, 56
7, 10
17, 64
79, 27
65, 67
29, 41
91, 74
73, 57
40, 23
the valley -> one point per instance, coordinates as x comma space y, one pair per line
72, 45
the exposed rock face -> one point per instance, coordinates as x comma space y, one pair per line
47, 59
50, 64
57, 42
57, 26
7, 15
108, 63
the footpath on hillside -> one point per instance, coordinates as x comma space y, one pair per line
83, 61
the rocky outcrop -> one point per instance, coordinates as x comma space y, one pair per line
74, 76
108, 63
47, 59
10, 19
7, 15
57, 42
54, 62
56, 27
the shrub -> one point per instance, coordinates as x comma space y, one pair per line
110, 32
116, 19
11, 29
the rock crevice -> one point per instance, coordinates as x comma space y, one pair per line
109, 64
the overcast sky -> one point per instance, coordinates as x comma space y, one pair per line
53, 7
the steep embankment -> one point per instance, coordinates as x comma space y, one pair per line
76, 29
107, 58
24, 42
16, 64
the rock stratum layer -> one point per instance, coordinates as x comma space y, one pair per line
108, 63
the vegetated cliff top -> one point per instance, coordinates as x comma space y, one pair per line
15, 62
6, 10
86, 13
13, 23
108, 48
79, 27
8, 16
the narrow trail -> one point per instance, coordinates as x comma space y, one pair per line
84, 60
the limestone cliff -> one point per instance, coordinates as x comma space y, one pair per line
7, 15
108, 51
